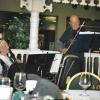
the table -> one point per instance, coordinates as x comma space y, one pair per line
75, 95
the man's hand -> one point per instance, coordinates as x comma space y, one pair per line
64, 50
18, 61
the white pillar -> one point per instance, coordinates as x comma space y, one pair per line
34, 7
34, 27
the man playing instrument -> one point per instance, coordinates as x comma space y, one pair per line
68, 35
66, 45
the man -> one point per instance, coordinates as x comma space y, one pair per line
66, 46
69, 34
7, 60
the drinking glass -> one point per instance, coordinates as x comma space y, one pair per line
4, 81
85, 82
20, 81
5, 89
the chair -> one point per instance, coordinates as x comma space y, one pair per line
75, 79
92, 63
69, 67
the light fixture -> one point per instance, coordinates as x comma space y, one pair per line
65, 1
50, 18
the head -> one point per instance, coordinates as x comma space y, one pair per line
74, 22
4, 48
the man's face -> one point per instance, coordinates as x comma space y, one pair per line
4, 48
74, 22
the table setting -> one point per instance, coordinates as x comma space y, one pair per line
83, 94
19, 90
75, 95
25, 88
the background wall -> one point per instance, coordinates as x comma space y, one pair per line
60, 10
63, 11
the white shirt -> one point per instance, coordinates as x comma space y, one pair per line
6, 60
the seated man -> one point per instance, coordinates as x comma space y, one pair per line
7, 60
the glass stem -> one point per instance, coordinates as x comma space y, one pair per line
85, 91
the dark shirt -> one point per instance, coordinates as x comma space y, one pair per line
69, 67
69, 33
66, 39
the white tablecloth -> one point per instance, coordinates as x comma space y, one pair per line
75, 95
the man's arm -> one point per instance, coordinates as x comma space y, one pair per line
64, 39
61, 47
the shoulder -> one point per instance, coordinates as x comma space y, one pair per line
2, 63
2, 57
66, 35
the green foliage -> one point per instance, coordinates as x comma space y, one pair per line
17, 33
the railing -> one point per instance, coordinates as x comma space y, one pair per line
24, 53
92, 62
89, 58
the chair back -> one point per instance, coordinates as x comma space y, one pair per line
74, 81
92, 63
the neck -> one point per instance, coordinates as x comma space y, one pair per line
2, 53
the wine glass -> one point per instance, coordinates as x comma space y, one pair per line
85, 82
20, 81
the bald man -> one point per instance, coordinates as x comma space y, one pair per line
68, 35
65, 40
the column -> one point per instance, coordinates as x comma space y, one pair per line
34, 27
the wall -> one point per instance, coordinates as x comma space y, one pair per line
10, 5
60, 10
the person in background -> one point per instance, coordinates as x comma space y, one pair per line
8, 62
76, 65
68, 35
